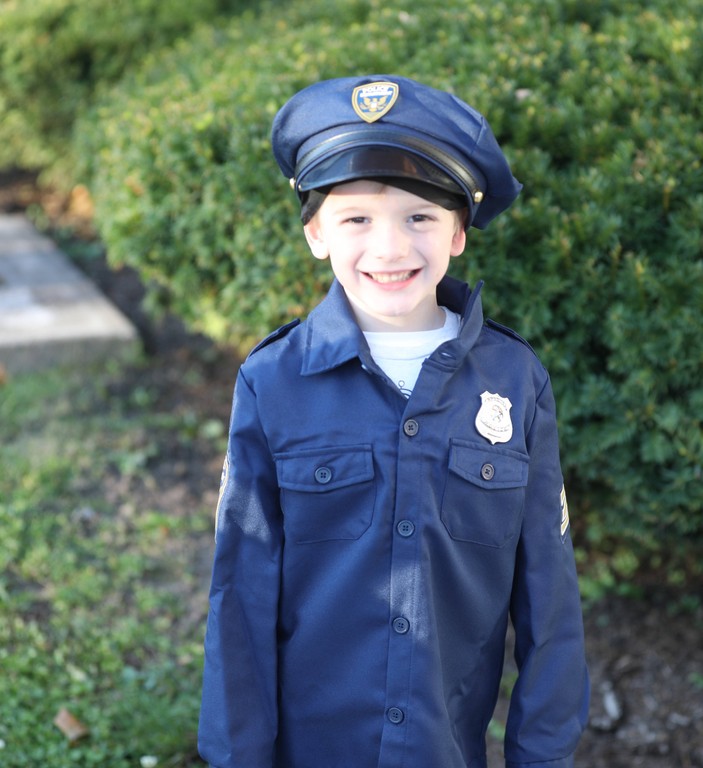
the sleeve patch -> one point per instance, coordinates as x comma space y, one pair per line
564, 511
223, 484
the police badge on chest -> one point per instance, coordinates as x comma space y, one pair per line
493, 418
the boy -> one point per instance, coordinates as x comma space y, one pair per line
392, 491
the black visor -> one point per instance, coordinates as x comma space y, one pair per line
386, 165
366, 162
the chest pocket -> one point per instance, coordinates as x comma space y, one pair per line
485, 493
327, 494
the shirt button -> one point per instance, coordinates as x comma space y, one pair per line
323, 475
406, 528
401, 625
487, 471
411, 427
396, 715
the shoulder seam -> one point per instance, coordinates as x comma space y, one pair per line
509, 332
279, 333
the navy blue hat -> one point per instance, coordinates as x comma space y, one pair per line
392, 127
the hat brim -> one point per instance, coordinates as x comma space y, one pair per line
374, 162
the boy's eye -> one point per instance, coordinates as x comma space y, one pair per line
356, 220
418, 218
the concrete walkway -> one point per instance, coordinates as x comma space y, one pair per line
50, 312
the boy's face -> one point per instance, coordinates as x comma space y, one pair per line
389, 249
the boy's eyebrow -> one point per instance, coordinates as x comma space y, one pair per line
418, 205
346, 209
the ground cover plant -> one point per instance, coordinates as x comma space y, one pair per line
102, 602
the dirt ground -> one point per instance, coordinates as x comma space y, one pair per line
645, 657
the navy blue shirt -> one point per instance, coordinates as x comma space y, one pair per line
370, 550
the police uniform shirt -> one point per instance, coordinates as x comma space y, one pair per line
370, 549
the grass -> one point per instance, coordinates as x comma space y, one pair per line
101, 610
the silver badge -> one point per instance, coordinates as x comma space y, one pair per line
493, 418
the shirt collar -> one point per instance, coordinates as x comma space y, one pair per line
333, 336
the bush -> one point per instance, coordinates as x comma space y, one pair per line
55, 55
598, 105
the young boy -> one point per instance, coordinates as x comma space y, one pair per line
392, 491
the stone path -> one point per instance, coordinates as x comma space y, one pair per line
50, 312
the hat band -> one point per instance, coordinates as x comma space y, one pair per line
380, 137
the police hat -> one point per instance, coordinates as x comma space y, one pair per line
384, 126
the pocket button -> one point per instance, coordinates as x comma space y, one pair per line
323, 475
488, 471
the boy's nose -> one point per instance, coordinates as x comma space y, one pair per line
389, 242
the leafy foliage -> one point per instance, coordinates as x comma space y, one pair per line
56, 54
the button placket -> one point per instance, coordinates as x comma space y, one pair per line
403, 587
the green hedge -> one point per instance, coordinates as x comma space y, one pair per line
56, 54
599, 263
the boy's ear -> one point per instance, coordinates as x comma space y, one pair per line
459, 239
316, 241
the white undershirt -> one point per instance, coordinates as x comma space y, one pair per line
400, 354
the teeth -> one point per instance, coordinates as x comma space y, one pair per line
391, 277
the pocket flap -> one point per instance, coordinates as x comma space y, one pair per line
488, 467
317, 470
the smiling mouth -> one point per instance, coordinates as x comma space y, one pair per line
392, 277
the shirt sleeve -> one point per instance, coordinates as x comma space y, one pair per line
238, 717
549, 704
